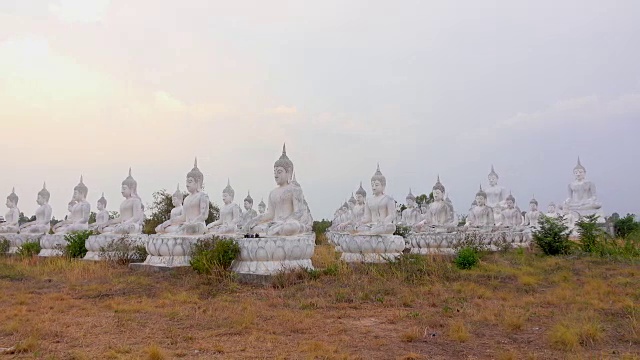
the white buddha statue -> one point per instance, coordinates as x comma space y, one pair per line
582, 193
102, 217
532, 217
195, 209
11, 224
551, 211
249, 214
345, 219
173, 224
410, 215
79, 211
351, 203
42, 223
440, 216
570, 218
358, 208
379, 211
511, 216
481, 216
262, 207
229, 214
286, 213
131, 216
496, 195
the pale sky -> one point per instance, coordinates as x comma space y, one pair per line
422, 87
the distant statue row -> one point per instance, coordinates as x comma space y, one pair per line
493, 209
287, 213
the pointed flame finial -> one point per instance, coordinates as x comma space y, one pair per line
284, 149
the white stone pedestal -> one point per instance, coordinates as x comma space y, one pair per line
270, 255
368, 248
101, 247
16, 240
169, 251
52, 245
449, 243
434, 243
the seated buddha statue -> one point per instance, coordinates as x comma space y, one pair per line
351, 203
79, 211
379, 211
102, 217
496, 195
42, 223
551, 211
358, 209
229, 214
582, 193
195, 208
173, 224
248, 213
511, 215
440, 216
410, 215
532, 217
481, 216
131, 211
262, 207
345, 219
11, 224
286, 213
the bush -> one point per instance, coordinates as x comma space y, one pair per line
552, 237
402, 230
467, 258
29, 249
214, 255
623, 227
75, 247
123, 251
591, 236
5, 244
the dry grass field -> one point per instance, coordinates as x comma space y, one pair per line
515, 305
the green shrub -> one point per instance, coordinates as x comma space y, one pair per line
75, 247
623, 227
402, 230
591, 236
5, 244
214, 255
552, 237
466, 258
29, 249
123, 251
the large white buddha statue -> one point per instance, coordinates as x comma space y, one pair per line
511, 215
582, 193
102, 217
79, 212
410, 215
532, 217
173, 224
195, 208
481, 216
286, 212
11, 224
229, 214
131, 216
379, 211
42, 223
440, 216
249, 214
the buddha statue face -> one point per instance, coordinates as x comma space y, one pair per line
192, 185
41, 200
493, 180
281, 176
10, 204
438, 195
70, 205
411, 203
77, 195
262, 208
100, 206
376, 187
481, 200
247, 205
126, 191
176, 201
579, 174
551, 209
227, 198
533, 206
359, 199
510, 204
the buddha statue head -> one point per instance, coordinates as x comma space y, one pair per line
12, 199
195, 178
411, 199
43, 195
80, 191
283, 168
511, 201
344, 207
481, 197
533, 204
102, 203
493, 177
579, 171
352, 201
438, 190
177, 197
129, 186
378, 182
248, 201
361, 195
262, 207
228, 193
551, 208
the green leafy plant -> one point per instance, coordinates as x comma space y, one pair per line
466, 258
214, 255
591, 236
552, 237
29, 249
402, 230
5, 244
623, 227
76, 240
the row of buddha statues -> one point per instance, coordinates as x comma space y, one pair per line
493, 208
287, 212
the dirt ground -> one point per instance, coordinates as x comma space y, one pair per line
516, 305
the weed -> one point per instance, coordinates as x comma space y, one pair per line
458, 331
5, 244
154, 353
552, 237
76, 247
29, 249
214, 255
123, 251
466, 258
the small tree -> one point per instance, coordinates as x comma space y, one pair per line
590, 233
623, 227
320, 227
552, 237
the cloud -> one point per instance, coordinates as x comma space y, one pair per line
282, 110
85, 11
